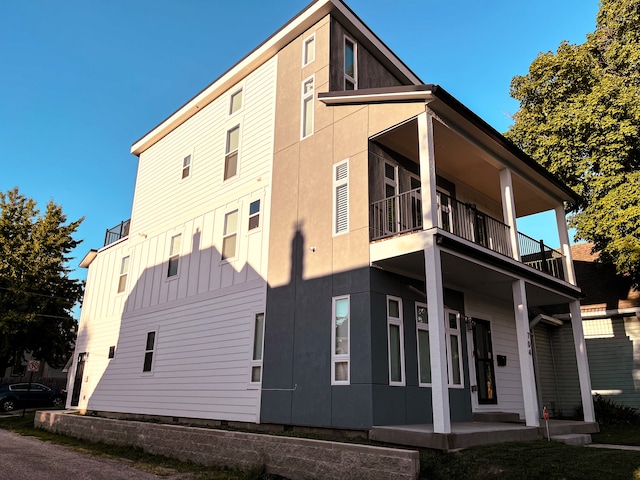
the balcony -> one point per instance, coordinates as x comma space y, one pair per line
402, 214
116, 233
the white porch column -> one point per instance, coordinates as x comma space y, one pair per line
509, 210
427, 171
437, 341
581, 360
565, 245
527, 374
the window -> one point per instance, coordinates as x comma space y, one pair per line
341, 197
396, 340
112, 351
424, 349
235, 102
256, 358
340, 342
254, 214
307, 107
174, 255
350, 64
454, 348
148, 351
124, 273
231, 152
186, 166
229, 238
309, 50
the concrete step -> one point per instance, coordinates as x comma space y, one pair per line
575, 439
504, 417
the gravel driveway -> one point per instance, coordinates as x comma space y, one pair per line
29, 458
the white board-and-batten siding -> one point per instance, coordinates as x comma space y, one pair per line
504, 342
204, 316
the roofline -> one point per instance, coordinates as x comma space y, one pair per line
428, 93
312, 13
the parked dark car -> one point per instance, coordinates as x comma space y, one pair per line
15, 396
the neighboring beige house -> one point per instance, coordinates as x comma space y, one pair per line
319, 238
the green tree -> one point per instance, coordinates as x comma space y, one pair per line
579, 117
36, 293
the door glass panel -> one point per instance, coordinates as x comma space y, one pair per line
455, 360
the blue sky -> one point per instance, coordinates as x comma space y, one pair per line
80, 80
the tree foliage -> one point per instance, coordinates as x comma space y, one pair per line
36, 293
579, 117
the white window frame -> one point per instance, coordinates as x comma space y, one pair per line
305, 59
228, 153
396, 322
337, 358
336, 185
234, 94
151, 351
307, 97
257, 214
346, 77
187, 163
256, 362
226, 234
174, 254
123, 277
425, 328
448, 332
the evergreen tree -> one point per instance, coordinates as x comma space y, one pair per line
36, 293
579, 117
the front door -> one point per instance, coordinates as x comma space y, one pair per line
77, 383
483, 358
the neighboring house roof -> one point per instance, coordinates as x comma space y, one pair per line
270, 47
605, 292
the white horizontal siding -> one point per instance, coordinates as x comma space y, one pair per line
504, 340
201, 363
162, 197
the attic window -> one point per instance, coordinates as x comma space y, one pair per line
309, 50
350, 64
235, 103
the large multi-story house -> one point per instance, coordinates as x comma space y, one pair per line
319, 238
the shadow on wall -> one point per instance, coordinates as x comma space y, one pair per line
183, 344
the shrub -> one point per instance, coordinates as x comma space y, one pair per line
609, 412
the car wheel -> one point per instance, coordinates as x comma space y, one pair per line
57, 401
8, 405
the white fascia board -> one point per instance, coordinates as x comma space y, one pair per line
423, 96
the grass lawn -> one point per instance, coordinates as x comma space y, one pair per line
618, 435
531, 460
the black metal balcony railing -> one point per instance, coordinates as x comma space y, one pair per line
403, 214
116, 233
541, 257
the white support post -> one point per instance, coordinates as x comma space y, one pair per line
581, 359
427, 171
565, 245
437, 340
527, 374
509, 210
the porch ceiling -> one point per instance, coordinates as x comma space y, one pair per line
460, 160
465, 275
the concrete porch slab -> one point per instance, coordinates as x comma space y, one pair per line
471, 434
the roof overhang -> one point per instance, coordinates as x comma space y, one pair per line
269, 48
88, 258
454, 113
